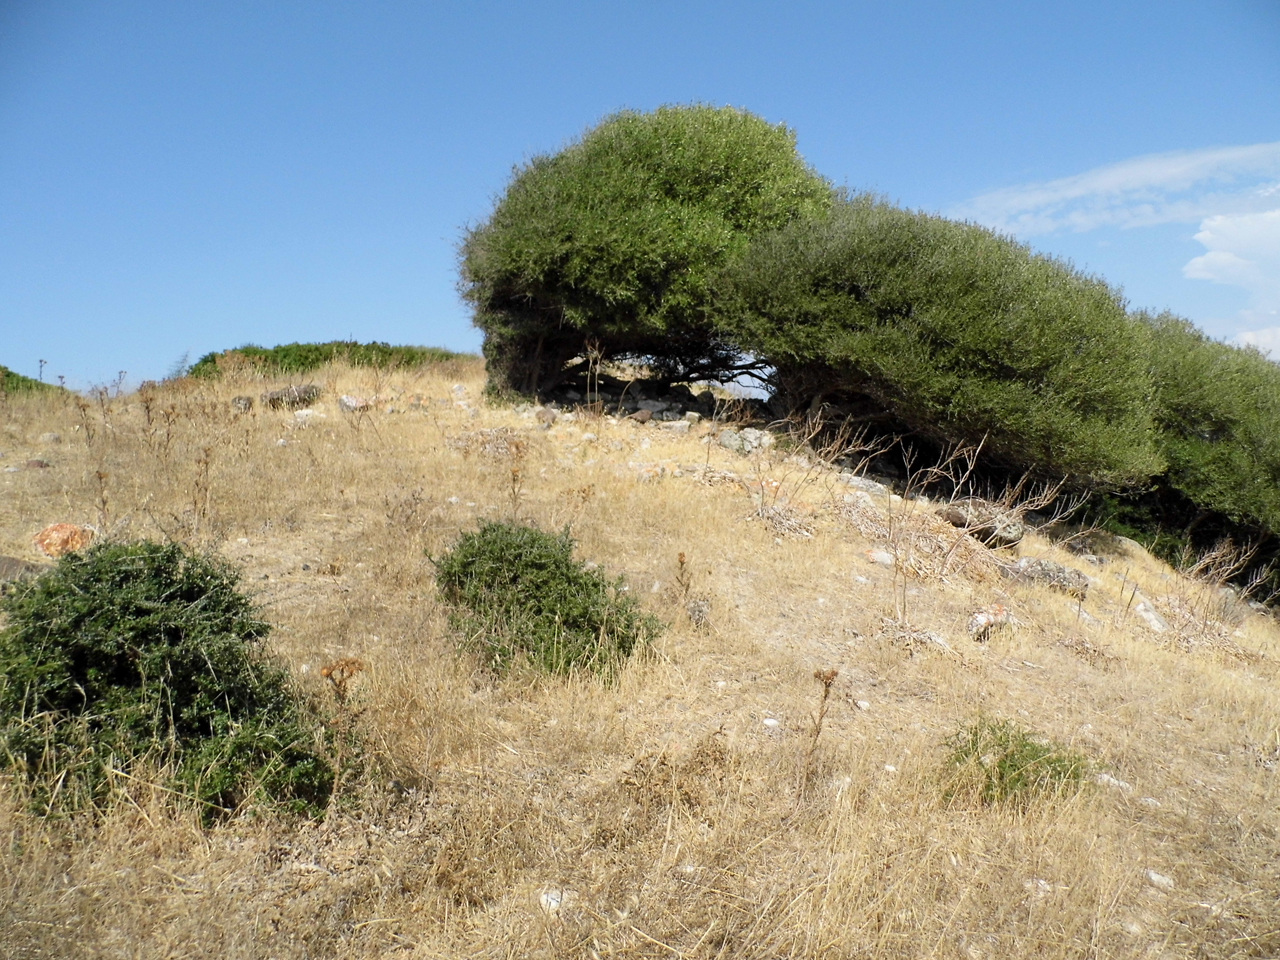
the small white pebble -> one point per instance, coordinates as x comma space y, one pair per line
588, 438
1149, 802
862, 704
890, 768
1107, 780
771, 723
1159, 880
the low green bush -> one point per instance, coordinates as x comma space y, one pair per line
11, 382
1000, 762
960, 334
305, 357
143, 653
517, 591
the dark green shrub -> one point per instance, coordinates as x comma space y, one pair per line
617, 241
960, 334
145, 652
11, 382
305, 357
518, 591
999, 762
1217, 410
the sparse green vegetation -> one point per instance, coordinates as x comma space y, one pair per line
148, 653
518, 591
305, 357
11, 382
999, 762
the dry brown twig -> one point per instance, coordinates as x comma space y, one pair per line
826, 678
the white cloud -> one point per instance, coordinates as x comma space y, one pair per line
1232, 192
1243, 250
1180, 187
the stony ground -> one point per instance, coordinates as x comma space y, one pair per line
692, 808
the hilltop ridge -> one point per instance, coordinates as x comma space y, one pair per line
692, 808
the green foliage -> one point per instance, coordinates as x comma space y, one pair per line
11, 382
1217, 408
518, 591
618, 239
999, 762
305, 357
961, 334
145, 652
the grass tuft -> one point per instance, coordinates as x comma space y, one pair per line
999, 762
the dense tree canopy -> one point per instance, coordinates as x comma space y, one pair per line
617, 241
696, 240
959, 333
1217, 409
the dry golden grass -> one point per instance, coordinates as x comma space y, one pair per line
660, 816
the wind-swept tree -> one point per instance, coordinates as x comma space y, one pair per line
958, 333
616, 242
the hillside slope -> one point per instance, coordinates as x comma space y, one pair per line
687, 810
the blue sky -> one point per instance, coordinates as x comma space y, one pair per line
178, 177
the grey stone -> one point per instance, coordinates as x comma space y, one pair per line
50, 438
242, 404
1132, 547
349, 404
731, 439
11, 568
653, 406
865, 484
1151, 617
699, 611
292, 398
984, 521
1053, 575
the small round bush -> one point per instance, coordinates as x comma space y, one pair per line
518, 591
146, 652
